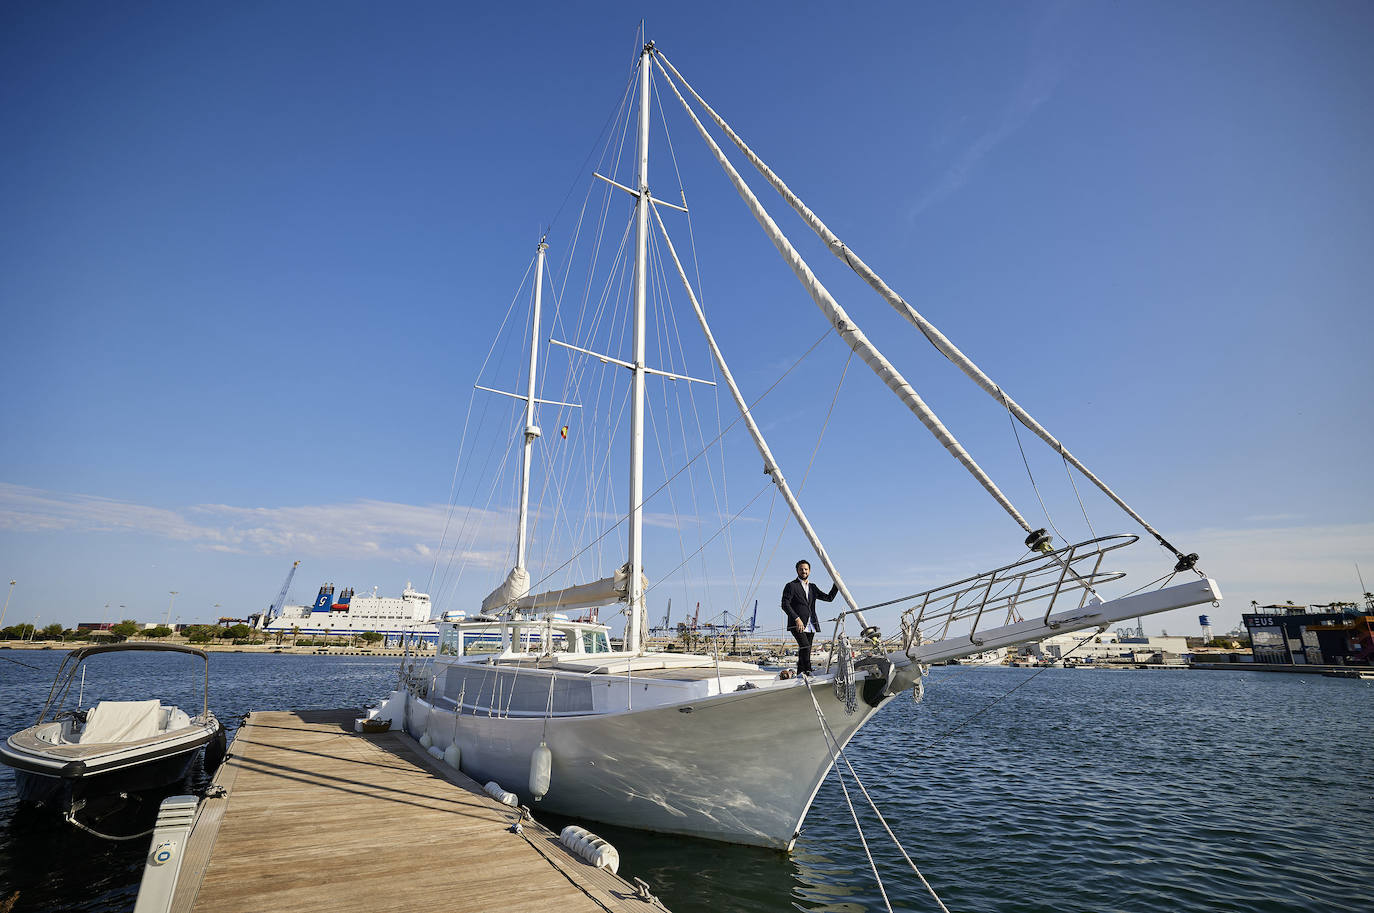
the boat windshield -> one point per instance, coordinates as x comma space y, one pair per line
535, 637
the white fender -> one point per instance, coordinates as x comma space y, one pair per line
500, 795
541, 768
590, 847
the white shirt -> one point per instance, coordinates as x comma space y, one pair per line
806, 588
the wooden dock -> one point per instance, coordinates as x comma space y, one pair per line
320, 818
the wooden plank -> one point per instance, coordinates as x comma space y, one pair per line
319, 818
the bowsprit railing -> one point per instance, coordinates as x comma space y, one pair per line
1054, 578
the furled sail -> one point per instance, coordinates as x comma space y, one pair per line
605, 591
516, 584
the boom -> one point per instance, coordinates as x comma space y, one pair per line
275, 608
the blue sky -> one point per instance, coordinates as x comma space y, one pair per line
252, 257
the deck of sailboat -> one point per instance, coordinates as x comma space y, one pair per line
669, 666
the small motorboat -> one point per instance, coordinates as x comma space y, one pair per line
113, 747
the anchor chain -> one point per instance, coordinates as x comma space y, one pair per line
846, 688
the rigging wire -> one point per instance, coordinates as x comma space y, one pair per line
572, 383
777, 543
606, 131
658, 291
709, 540
1068, 471
933, 335
1026, 462
615, 152
701, 295
605, 128
723, 492
722, 509
685, 466
453, 484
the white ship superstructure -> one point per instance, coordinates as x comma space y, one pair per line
349, 614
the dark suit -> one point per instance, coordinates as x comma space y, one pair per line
799, 602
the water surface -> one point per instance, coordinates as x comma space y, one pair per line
1012, 790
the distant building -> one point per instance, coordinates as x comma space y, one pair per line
1090, 646
1290, 634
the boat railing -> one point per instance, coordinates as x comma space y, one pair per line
1053, 578
60, 690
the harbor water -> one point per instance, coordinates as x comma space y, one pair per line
1011, 789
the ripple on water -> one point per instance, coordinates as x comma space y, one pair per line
1099, 792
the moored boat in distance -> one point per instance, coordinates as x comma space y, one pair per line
347, 613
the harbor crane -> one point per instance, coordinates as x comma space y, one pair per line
739, 627
275, 608
665, 627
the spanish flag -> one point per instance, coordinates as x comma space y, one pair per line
564, 432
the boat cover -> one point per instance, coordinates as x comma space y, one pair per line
122, 721
606, 591
516, 584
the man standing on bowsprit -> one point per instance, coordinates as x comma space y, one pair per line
799, 602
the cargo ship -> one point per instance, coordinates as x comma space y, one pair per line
345, 614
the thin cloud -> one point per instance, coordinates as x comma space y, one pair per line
357, 529
1043, 71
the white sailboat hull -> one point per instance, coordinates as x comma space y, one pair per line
740, 767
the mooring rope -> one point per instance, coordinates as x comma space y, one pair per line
832, 740
71, 819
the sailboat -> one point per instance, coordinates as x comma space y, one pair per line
551, 710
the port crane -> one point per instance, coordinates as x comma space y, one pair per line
738, 627
275, 608
753, 622
665, 627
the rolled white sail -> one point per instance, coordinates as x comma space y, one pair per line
516, 584
606, 591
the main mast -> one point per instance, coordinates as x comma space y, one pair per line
635, 552
531, 429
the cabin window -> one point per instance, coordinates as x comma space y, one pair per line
595, 642
451, 643
479, 642
508, 691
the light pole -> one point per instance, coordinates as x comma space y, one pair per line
168, 620
7, 606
